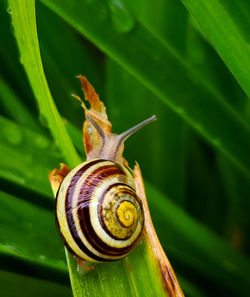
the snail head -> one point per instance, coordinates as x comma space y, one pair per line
112, 145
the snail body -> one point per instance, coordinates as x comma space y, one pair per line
98, 213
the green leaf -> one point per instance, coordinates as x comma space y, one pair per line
184, 37
159, 16
203, 171
22, 149
136, 275
20, 113
190, 289
11, 69
226, 25
13, 285
207, 62
26, 35
161, 70
165, 139
64, 58
237, 188
76, 136
28, 233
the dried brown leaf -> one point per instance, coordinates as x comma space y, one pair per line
97, 111
168, 276
56, 176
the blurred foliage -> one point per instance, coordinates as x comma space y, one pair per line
187, 62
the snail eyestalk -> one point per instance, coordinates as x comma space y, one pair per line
112, 145
98, 128
130, 131
118, 149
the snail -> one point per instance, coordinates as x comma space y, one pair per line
98, 213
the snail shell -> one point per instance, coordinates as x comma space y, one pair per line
98, 213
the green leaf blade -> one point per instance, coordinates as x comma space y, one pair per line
22, 234
217, 20
23, 147
12, 284
26, 35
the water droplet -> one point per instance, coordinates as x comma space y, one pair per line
13, 134
21, 60
42, 257
12, 248
9, 10
80, 269
180, 110
121, 18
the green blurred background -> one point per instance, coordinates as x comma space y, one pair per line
200, 203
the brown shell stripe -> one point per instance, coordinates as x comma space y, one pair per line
58, 226
68, 209
131, 192
88, 187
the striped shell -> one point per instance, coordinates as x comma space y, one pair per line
98, 213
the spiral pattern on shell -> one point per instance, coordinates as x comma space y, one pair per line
98, 214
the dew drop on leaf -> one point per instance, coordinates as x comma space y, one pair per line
180, 110
21, 60
9, 10
42, 257
121, 18
80, 270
